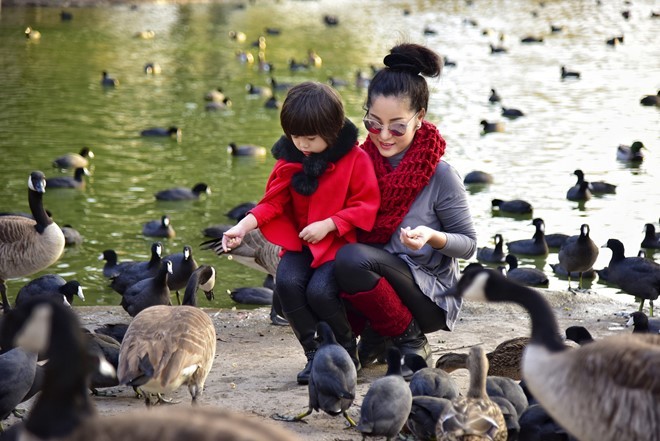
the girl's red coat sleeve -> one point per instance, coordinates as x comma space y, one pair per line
347, 192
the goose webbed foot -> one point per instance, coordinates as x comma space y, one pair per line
351, 422
138, 393
277, 319
292, 419
178, 298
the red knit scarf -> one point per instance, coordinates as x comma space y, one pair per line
400, 186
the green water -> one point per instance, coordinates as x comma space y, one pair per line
52, 102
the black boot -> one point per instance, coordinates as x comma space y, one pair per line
303, 376
372, 347
413, 341
344, 334
303, 323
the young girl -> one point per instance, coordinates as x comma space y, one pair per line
321, 190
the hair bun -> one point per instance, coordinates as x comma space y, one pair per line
402, 62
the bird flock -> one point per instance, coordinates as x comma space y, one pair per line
165, 346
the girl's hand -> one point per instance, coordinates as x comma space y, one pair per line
316, 231
415, 238
232, 238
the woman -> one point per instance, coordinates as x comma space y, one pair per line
396, 276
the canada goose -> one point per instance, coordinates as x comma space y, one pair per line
28, 245
72, 237
494, 96
109, 348
478, 177
172, 132
387, 404
108, 81
642, 324
579, 335
148, 292
50, 285
579, 386
631, 153
514, 206
428, 381
579, 192
183, 194
651, 239
246, 150
159, 228
569, 73
473, 415
202, 278
333, 378
595, 187
492, 255
76, 181
65, 411
183, 265
650, 100
491, 127
503, 361
240, 211
578, 253
511, 113
74, 160
125, 274
536, 246
152, 68
182, 354
32, 34
634, 275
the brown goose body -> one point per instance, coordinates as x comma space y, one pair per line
179, 345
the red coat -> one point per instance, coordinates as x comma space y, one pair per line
347, 193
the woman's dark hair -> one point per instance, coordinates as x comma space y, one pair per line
402, 75
312, 108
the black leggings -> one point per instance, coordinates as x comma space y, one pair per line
300, 285
358, 267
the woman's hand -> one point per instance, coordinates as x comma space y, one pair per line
233, 237
416, 238
316, 231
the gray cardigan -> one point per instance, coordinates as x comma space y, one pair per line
443, 206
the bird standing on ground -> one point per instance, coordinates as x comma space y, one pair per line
578, 253
28, 245
387, 404
583, 389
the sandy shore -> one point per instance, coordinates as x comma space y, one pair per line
256, 362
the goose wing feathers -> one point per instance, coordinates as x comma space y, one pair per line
178, 340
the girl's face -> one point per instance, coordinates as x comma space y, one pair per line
390, 112
309, 144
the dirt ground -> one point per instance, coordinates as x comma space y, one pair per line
256, 362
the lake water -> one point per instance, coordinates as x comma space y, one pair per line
52, 102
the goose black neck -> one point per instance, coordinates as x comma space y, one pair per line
545, 330
35, 200
190, 296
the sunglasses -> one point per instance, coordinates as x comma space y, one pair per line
396, 129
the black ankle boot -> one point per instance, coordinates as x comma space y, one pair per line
413, 341
303, 376
372, 347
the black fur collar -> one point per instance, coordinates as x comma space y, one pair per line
314, 165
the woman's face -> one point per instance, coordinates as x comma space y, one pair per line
389, 110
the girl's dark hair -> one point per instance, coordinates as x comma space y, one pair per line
401, 75
312, 108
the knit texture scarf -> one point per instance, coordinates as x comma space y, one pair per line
400, 186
